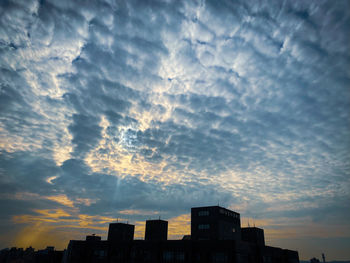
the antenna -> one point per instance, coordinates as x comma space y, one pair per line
248, 223
160, 211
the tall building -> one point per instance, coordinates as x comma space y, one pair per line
120, 232
215, 223
156, 230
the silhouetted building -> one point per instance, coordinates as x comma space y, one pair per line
156, 230
215, 223
186, 237
93, 238
314, 260
49, 254
216, 236
29, 255
91, 250
120, 232
254, 235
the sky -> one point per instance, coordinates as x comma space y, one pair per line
134, 110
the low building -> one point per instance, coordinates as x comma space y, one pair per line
29, 255
253, 235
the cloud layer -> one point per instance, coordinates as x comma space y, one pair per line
153, 107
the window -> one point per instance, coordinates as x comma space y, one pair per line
168, 256
206, 226
203, 213
219, 257
180, 256
173, 256
100, 253
229, 213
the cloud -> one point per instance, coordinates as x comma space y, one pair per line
86, 133
160, 106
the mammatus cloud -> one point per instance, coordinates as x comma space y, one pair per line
131, 110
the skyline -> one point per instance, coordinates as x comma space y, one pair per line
140, 109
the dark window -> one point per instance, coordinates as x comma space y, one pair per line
203, 213
168, 256
204, 226
219, 257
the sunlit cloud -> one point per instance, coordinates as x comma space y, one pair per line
179, 226
61, 199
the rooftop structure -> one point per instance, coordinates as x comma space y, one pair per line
156, 230
120, 232
253, 235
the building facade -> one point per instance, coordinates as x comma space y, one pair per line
156, 230
215, 223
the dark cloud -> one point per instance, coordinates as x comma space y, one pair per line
86, 133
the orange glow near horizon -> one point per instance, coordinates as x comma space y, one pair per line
179, 226
57, 226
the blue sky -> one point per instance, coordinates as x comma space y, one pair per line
135, 109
